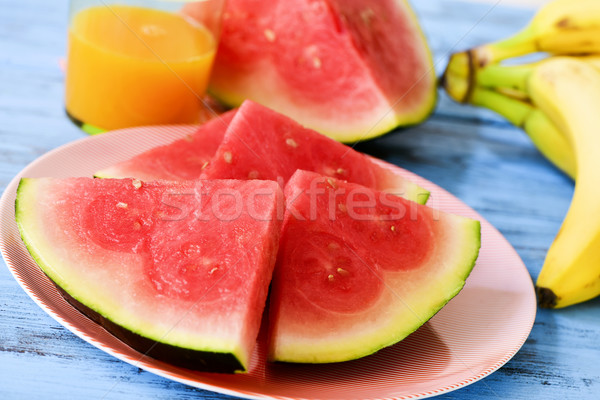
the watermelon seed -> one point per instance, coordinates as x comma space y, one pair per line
342, 272
204, 165
227, 157
253, 175
137, 226
121, 205
213, 270
366, 15
393, 228
291, 142
136, 183
330, 278
316, 62
270, 35
340, 171
333, 246
331, 183
342, 207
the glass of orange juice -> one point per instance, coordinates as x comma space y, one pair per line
144, 62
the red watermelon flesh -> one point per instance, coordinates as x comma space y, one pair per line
180, 160
351, 69
263, 144
179, 271
360, 269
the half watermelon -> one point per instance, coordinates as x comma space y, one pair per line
179, 271
359, 269
350, 69
263, 144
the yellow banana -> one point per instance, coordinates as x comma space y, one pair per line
496, 86
563, 27
509, 80
457, 87
505, 94
592, 59
568, 92
555, 101
559, 27
542, 132
512, 93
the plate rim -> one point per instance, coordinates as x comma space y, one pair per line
182, 130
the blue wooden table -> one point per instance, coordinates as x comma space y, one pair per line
472, 153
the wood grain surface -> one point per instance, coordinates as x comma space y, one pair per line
472, 153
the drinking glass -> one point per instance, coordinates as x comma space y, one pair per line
144, 62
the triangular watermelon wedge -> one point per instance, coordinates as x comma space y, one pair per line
179, 271
359, 269
267, 145
181, 160
263, 144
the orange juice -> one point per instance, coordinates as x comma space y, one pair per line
131, 66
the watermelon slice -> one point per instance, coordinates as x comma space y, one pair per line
263, 144
179, 271
180, 160
359, 269
350, 69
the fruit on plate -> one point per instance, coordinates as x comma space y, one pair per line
352, 70
360, 269
179, 271
180, 160
263, 144
254, 142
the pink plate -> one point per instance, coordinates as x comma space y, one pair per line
474, 335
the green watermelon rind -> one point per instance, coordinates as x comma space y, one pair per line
353, 347
105, 174
468, 261
414, 192
214, 356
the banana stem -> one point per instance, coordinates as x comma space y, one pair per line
514, 77
510, 92
542, 132
515, 111
457, 87
459, 65
460, 79
551, 142
517, 45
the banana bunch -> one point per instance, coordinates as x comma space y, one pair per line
556, 101
561, 27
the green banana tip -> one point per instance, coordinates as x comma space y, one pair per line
546, 297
